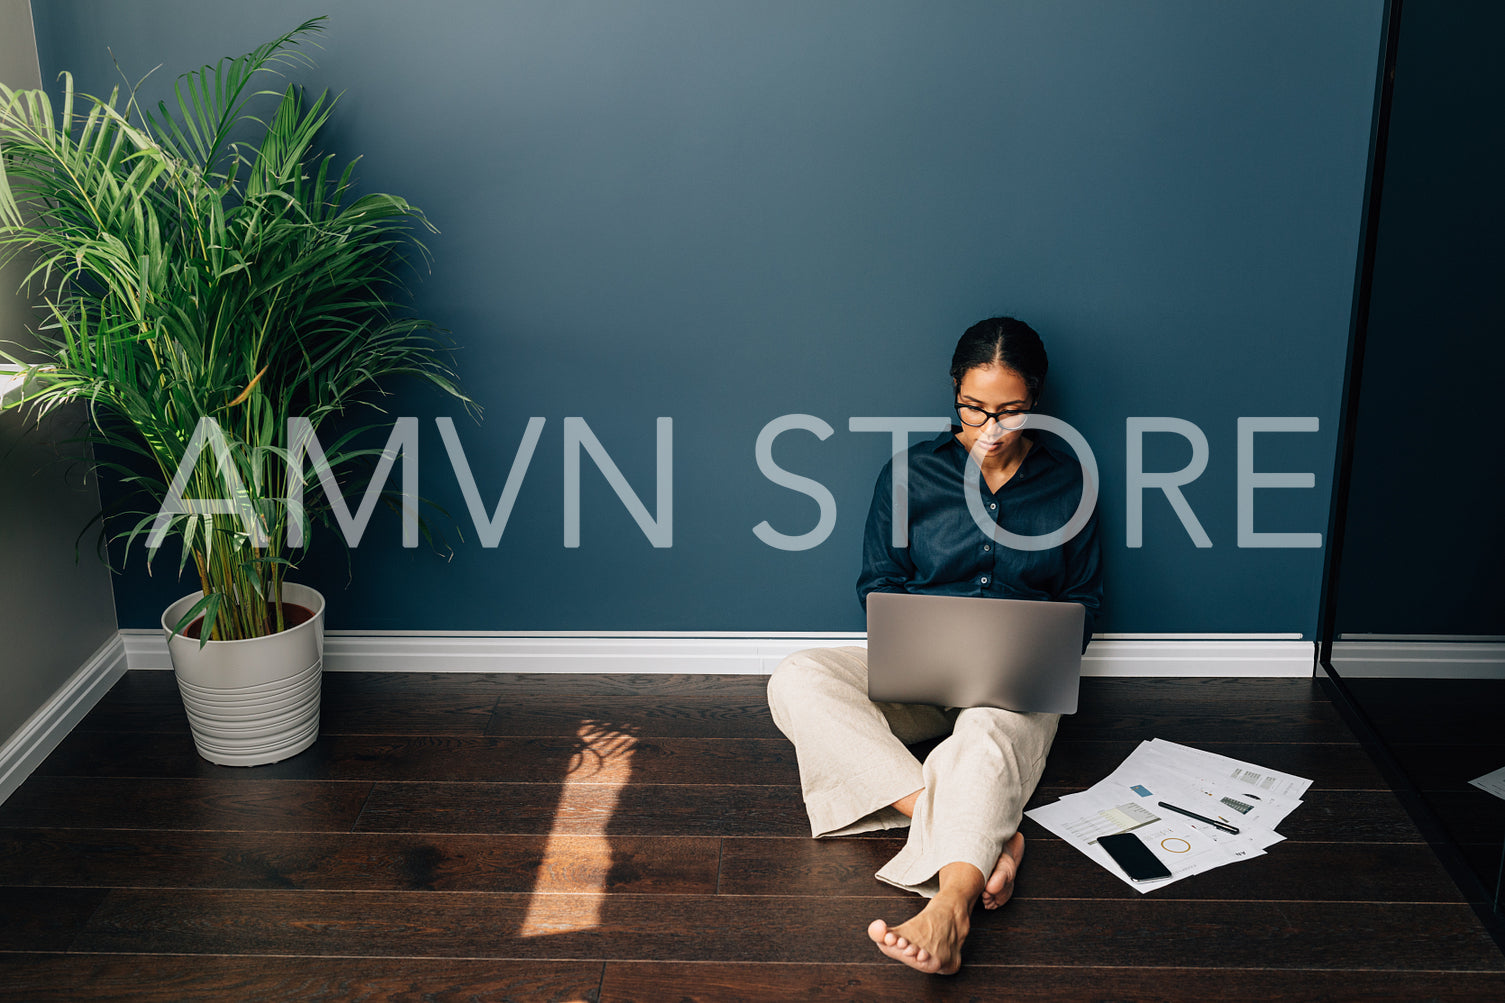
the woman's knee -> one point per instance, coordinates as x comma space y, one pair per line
804, 674
1032, 732
792, 677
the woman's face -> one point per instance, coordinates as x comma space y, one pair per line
992, 388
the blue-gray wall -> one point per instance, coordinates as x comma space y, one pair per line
727, 212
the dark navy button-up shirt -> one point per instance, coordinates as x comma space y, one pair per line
949, 554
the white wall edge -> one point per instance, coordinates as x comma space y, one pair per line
726, 653
1412, 659
45, 730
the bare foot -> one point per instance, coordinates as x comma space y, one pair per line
930, 942
1000, 884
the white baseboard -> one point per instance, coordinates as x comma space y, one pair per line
1201, 656
46, 729
728, 653
1416, 659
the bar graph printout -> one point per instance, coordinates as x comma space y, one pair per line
1222, 768
1106, 821
1239, 794
1244, 796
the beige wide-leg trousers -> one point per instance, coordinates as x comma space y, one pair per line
854, 763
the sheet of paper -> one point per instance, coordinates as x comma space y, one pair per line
1184, 848
1493, 783
1250, 798
1154, 773
1260, 779
1184, 851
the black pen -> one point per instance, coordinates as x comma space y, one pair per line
1201, 818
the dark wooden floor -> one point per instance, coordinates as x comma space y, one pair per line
642, 838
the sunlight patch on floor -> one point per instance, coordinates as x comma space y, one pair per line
577, 856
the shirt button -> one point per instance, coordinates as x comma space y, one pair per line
985, 579
987, 547
992, 504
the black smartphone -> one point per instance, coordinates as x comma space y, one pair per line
1133, 856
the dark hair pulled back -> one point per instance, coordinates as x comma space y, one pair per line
1002, 341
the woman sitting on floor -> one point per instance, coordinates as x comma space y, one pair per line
963, 804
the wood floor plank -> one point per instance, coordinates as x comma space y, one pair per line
373, 703
656, 716
1080, 763
142, 688
1350, 816
408, 703
140, 701
1072, 763
600, 754
1029, 932
733, 686
1289, 871
250, 803
714, 706
66, 978
1194, 722
804, 867
1176, 719
50, 922
515, 686
1131, 689
156, 685
1325, 816
358, 862
654, 982
730, 810
586, 809
452, 703
1144, 689
739, 708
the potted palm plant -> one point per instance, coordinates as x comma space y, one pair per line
209, 283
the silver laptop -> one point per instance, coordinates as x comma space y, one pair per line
966, 651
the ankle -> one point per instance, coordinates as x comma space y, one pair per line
957, 903
963, 880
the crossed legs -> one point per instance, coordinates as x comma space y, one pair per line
962, 804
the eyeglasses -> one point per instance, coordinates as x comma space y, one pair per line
976, 417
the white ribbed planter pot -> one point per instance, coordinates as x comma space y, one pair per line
255, 701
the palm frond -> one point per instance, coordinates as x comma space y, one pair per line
187, 273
